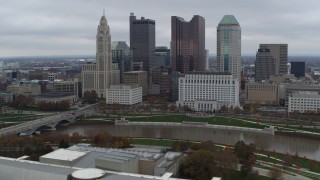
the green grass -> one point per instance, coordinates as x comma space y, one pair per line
313, 166
210, 120
18, 117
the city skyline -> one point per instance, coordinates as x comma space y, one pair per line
38, 28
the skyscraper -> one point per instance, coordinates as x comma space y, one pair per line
121, 54
188, 44
98, 76
280, 52
265, 65
298, 69
143, 41
229, 46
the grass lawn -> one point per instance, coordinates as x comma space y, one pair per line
210, 120
312, 165
18, 117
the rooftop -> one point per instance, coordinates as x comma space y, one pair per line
208, 73
64, 154
306, 94
228, 20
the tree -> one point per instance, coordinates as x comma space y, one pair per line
173, 108
90, 96
287, 162
246, 108
100, 139
199, 166
236, 110
208, 146
224, 109
63, 144
275, 174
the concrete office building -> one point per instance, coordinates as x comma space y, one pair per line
143, 41
63, 86
298, 69
6, 98
29, 89
98, 76
208, 86
13, 169
162, 56
280, 53
137, 77
290, 88
303, 101
188, 44
56, 97
229, 46
124, 94
263, 93
265, 65
122, 55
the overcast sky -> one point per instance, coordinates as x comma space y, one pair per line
68, 27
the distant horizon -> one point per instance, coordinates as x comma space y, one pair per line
41, 56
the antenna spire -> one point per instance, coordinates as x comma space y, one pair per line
104, 12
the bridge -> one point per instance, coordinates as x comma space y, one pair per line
50, 122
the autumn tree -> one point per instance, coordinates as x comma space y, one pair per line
199, 166
224, 109
275, 174
287, 162
63, 144
246, 108
236, 110
246, 156
90, 96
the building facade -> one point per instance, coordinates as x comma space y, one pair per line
298, 69
280, 53
137, 77
265, 65
208, 86
63, 86
263, 93
143, 41
163, 57
98, 76
304, 101
188, 44
122, 55
124, 94
229, 46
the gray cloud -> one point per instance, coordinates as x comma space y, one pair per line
59, 27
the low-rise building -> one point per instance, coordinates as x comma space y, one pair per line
56, 97
30, 89
304, 101
198, 88
263, 93
124, 94
6, 98
137, 77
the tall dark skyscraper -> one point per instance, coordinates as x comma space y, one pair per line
265, 65
143, 41
298, 69
280, 52
188, 44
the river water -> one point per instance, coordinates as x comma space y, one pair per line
278, 143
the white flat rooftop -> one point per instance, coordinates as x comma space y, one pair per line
64, 154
